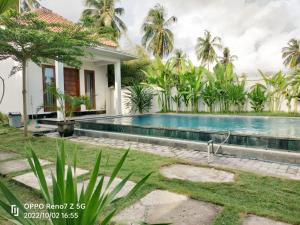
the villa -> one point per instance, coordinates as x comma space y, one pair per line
90, 80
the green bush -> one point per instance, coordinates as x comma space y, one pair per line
257, 98
139, 98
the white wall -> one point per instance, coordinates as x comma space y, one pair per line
12, 101
100, 83
13, 97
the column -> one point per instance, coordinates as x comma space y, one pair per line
117, 94
59, 79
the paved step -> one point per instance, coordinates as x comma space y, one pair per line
12, 166
29, 179
257, 220
8, 155
196, 174
125, 190
167, 207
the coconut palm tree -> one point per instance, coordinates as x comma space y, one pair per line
291, 54
158, 38
103, 13
227, 58
206, 48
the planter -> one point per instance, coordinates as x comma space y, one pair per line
66, 129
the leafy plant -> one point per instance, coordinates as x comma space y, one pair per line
94, 200
257, 97
237, 95
139, 98
209, 95
68, 104
161, 75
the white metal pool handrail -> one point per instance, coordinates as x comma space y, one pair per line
210, 147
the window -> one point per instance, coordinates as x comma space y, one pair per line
49, 81
89, 78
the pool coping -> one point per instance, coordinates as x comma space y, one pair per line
231, 150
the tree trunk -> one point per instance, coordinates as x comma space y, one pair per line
24, 92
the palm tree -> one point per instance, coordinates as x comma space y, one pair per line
227, 58
291, 54
206, 48
158, 38
179, 60
103, 13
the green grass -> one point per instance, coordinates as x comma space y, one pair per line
278, 114
261, 195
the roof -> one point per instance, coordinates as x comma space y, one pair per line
51, 17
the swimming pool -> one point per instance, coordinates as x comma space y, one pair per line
266, 132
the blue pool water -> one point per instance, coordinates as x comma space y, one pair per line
266, 126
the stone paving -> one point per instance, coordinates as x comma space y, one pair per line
17, 166
125, 190
30, 180
257, 166
257, 220
7, 155
167, 207
196, 174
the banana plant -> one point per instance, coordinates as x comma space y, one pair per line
161, 75
195, 83
257, 97
93, 204
276, 86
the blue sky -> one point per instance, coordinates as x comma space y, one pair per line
254, 30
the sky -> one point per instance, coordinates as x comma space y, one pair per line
254, 30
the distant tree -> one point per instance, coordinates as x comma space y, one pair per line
206, 48
179, 60
227, 58
103, 13
158, 38
26, 38
291, 54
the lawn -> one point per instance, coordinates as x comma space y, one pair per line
261, 195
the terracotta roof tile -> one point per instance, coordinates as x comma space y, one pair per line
51, 17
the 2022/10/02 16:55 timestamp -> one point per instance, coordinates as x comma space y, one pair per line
58, 211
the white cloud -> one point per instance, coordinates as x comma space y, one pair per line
255, 30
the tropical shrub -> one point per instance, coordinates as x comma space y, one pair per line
68, 104
209, 95
92, 202
195, 82
161, 75
275, 84
257, 97
139, 98
237, 95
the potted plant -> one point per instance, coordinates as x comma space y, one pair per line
68, 105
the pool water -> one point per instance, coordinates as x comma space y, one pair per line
266, 126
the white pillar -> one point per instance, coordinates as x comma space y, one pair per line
59, 78
117, 94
